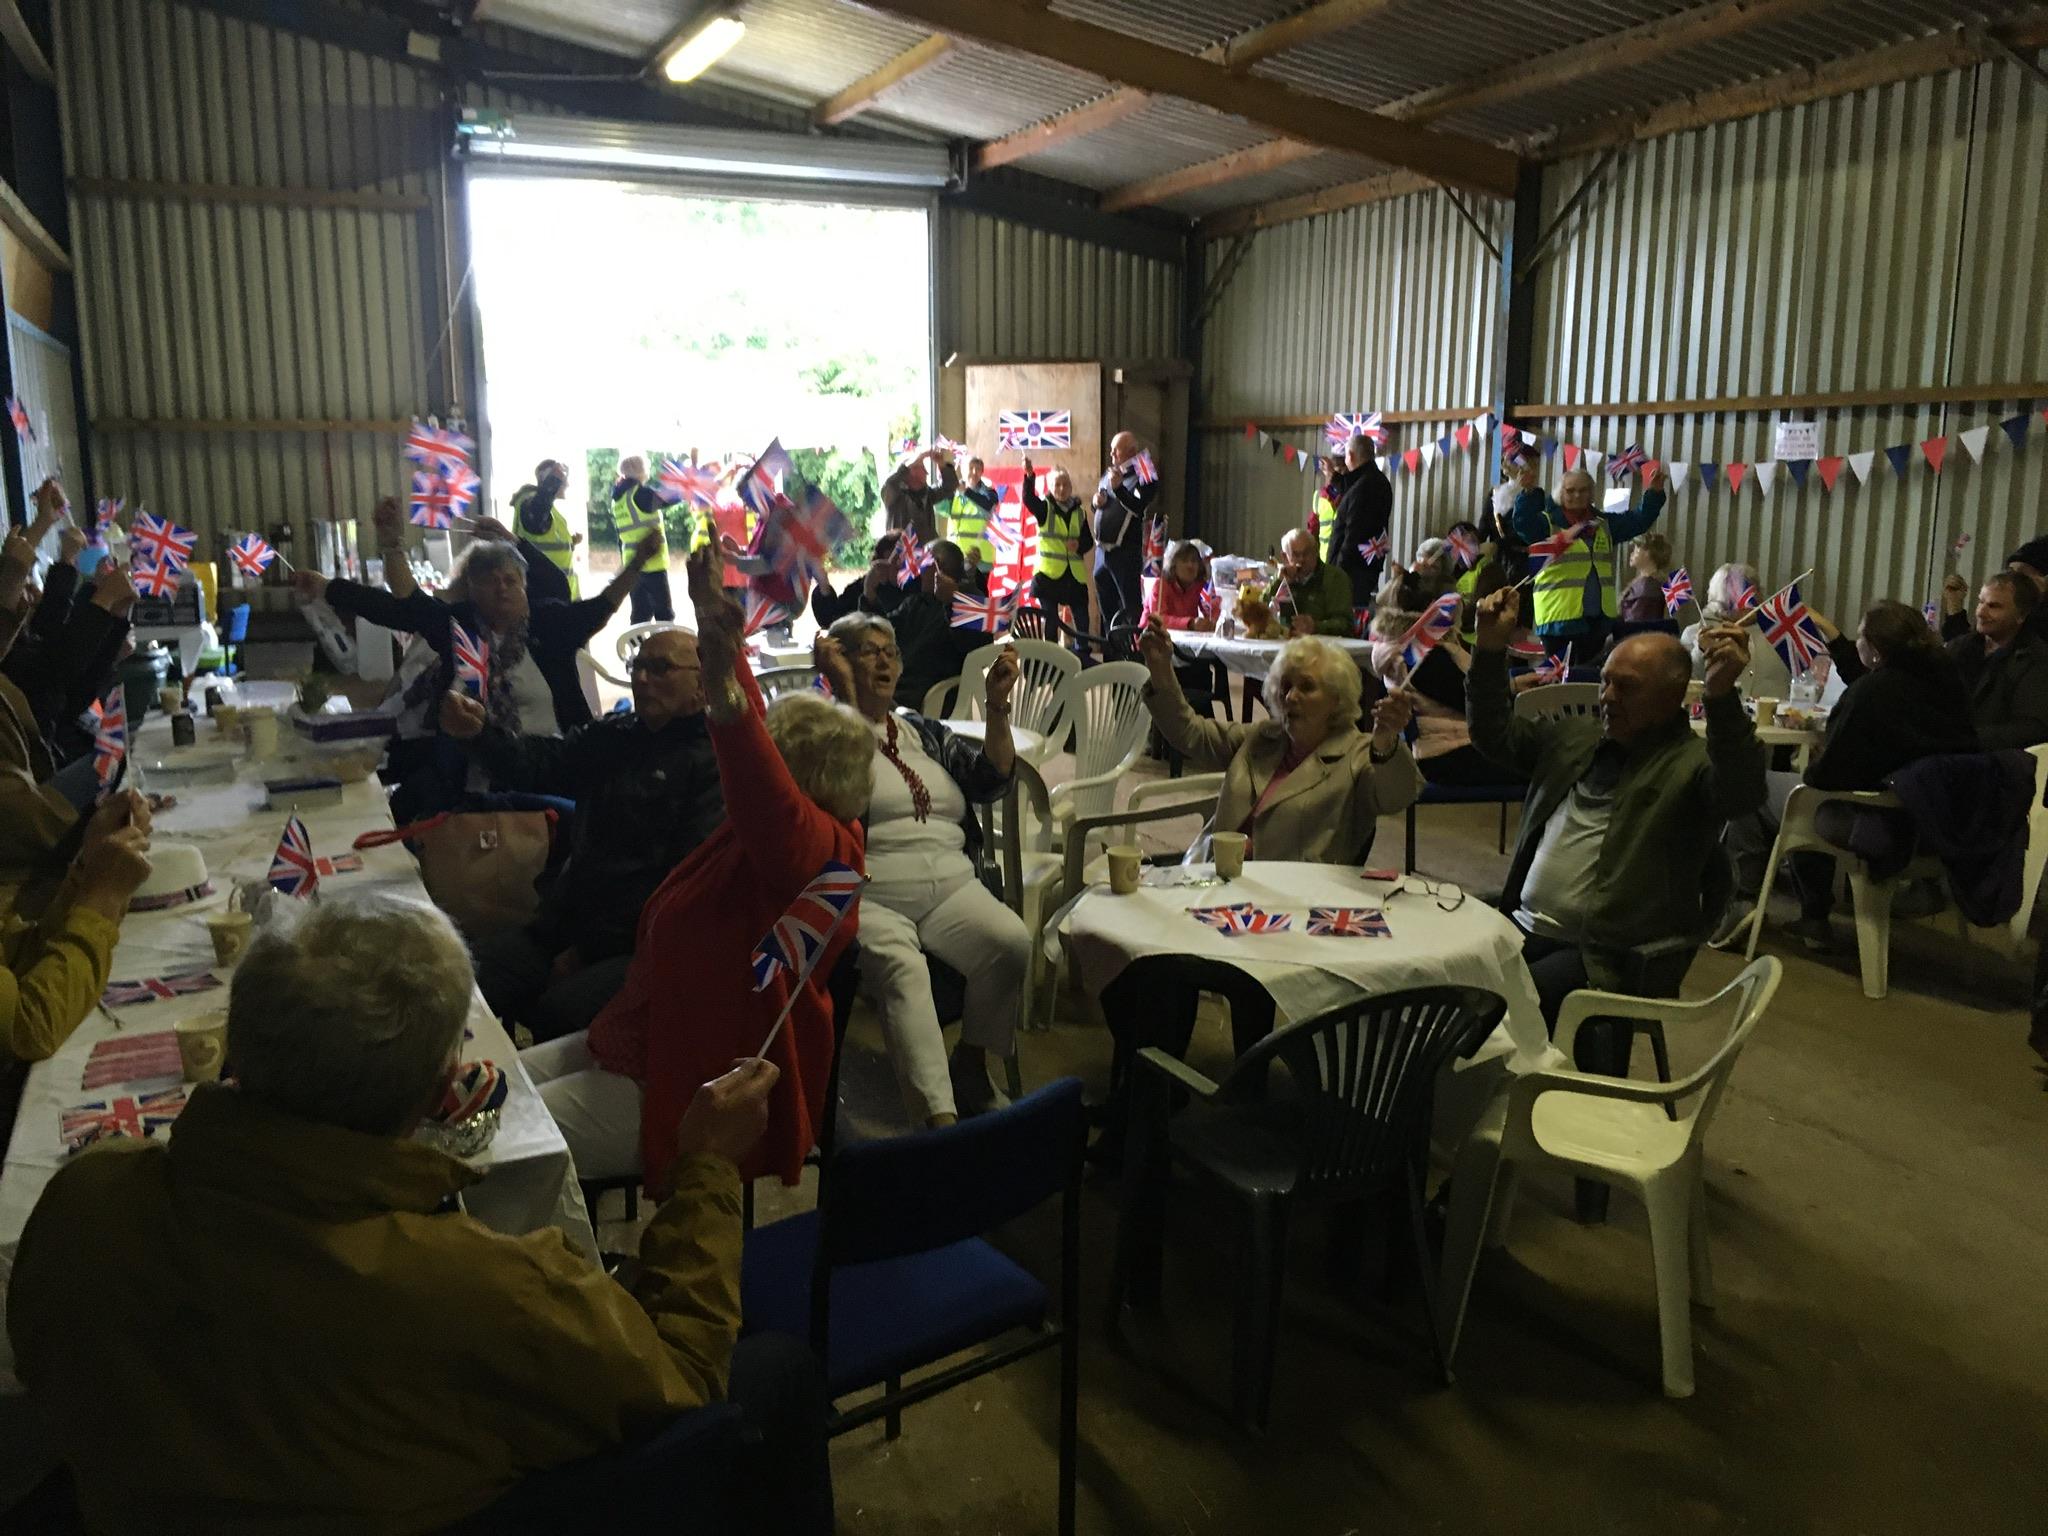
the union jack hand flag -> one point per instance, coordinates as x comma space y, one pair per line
126, 994
912, 558
800, 935
1374, 550
1155, 547
442, 449
1741, 593
1562, 539
761, 488
694, 483
104, 1119
1222, 919
1348, 923
472, 658
1145, 468
1552, 669
251, 554
292, 868
1282, 595
162, 541
104, 511
991, 615
153, 579
1623, 465
110, 733
1014, 534
1463, 545
432, 500
18, 414
1789, 626
1034, 429
1346, 425
1678, 590
763, 610
1931, 612
1428, 632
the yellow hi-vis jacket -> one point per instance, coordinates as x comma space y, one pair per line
633, 525
557, 543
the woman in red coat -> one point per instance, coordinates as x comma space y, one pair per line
795, 779
1182, 597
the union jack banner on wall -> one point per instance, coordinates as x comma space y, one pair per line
1034, 429
1346, 425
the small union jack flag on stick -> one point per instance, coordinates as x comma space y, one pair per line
432, 505
1348, 923
1552, 669
1464, 546
252, 554
1346, 425
1625, 464
162, 542
472, 655
763, 610
292, 868
1788, 625
1155, 547
1145, 469
991, 615
1428, 632
441, 449
801, 935
1678, 590
1931, 612
1741, 593
912, 558
694, 483
104, 511
1558, 541
155, 578
1374, 550
126, 994
109, 733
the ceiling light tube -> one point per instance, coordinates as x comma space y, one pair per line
702, 49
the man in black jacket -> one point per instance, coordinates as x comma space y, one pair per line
2004, 666
2030, 563
1123, 502
922, 616
646, 788
1364, 498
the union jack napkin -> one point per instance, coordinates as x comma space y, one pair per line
1348, 923
124, 994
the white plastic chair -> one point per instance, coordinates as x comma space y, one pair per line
1039, 703
774, 682
631, 637
1558, 701
1106, 712
1622, 1133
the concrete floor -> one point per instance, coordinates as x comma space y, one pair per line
1876, 1363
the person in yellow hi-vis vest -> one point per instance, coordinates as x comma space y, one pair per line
1063, 541
973, 505
541, 526
637, 510
1575, 542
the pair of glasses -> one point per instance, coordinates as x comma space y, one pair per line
659, 666
878, 653
1447, 896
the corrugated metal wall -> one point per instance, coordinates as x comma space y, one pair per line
1008, 291
209, 310
1388, 307
1892, 239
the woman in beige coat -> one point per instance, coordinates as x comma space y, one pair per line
1307, 785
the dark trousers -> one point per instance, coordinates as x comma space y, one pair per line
1052, 593
514, 971
1884, 838
651, 598
786, 1479
1365, 582
1119, 583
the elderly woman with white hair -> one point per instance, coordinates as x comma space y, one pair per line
1731, 592
315, 1298
1575, 601
1308, 784
926, 896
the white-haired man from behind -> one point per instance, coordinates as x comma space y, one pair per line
310, 1334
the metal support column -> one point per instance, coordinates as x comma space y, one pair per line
1514, 363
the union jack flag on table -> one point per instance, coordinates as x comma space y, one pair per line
1348, 923
1558, 540
1463, 545
1155, 547
991, 615
1678, 590
694, 483
109, 732
1145, 468
472, 655
1034, 429
1428, 632
1623, 465
800, 935
126, 1058
155, 579
1552, 669
1374, 550
126, 994
161, 541
442, 450
1346, 425
292, 867
251, 554
1222, 919
104, 511
104, 1119
1256, 921
1014, 533
1789, 626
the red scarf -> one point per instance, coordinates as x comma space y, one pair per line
920, 797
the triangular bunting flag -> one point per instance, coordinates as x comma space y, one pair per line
1707, 473
1936, 449
1464, 435
1443, 445
1287, 452
1766, 475
1861, 464
1797, 469
1593, 460
1735, 474
1251, 431
1571, 455
1392, 466
1974, 440
1550, 444
1830, 470
2016, 429
1413, 459
2044, 413
1429, 453
1272, 444
1677, 472
1897, 457
1483, 423
1307, 462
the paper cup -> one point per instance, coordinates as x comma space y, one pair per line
1124, 863
228, 717
230, 934
170, 698
1766, 711
262, 726
1227, 849
203, 1045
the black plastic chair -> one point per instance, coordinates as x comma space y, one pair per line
891, 1274
1503, 795
1355, 1126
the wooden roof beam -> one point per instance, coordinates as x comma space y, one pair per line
1209, 173
1467, 163
871, 87
1303, 27
1307, 205
1092, 117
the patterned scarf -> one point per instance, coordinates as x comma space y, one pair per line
920, 797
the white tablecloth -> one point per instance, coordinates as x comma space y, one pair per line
1306, 975
1254, 658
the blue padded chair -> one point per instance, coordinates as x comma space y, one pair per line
890, 1273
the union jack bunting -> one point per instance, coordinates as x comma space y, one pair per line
161, 541
126, 994
1155, 547
1789, 626
251, 554
1145, 468
441, 449
104, 1119
991, 615
1463, 545
1014, 534
1346, 425
109, 733
1221, 918
1678, 590
801, 934
1559, 540
1348, 923
1034, 429
1428, 632
694, 483
432, 501
1552, 669
104, 511
1623, 465
18, 414
292, 867
155, 580
1374, 550
472, 654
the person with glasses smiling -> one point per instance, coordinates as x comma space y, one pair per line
645, 783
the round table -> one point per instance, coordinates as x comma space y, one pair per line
1254, 658
1308, 974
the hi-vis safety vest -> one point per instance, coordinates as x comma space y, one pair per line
1059, 539
556, 543
967, 523
1561, 583
633, 525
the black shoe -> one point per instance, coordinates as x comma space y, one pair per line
1816, 933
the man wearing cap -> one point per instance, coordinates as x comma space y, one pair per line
2030, 562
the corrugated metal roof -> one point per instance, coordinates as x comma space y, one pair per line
813, 48
1165, 136
1189, 25
617, 26
984, 93
1310, 175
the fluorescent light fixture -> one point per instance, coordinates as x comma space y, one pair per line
703, 48
675, 149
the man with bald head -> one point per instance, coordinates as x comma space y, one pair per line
1617, 872
1123, 502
